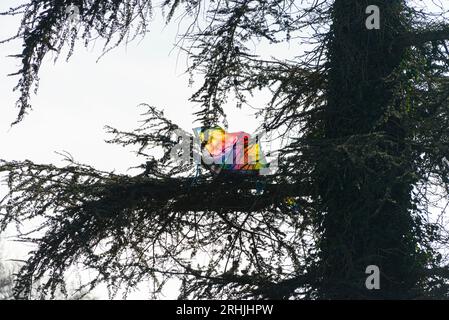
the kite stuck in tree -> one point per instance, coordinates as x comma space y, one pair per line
235, 152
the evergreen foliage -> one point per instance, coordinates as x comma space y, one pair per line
366, 114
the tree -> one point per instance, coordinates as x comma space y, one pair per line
7, 278
6, 283
366, 113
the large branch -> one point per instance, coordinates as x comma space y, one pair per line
203, 195
418, 38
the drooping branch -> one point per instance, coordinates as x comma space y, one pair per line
159, 219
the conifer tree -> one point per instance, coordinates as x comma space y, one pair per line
365, 108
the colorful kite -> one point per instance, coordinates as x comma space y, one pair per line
236, 152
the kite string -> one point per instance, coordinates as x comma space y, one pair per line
197, 173
260, 186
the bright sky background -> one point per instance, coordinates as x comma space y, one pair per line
77, 99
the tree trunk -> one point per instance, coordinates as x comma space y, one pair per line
365, 183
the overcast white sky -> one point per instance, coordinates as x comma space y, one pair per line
77, 99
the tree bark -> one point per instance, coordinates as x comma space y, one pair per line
365, 187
